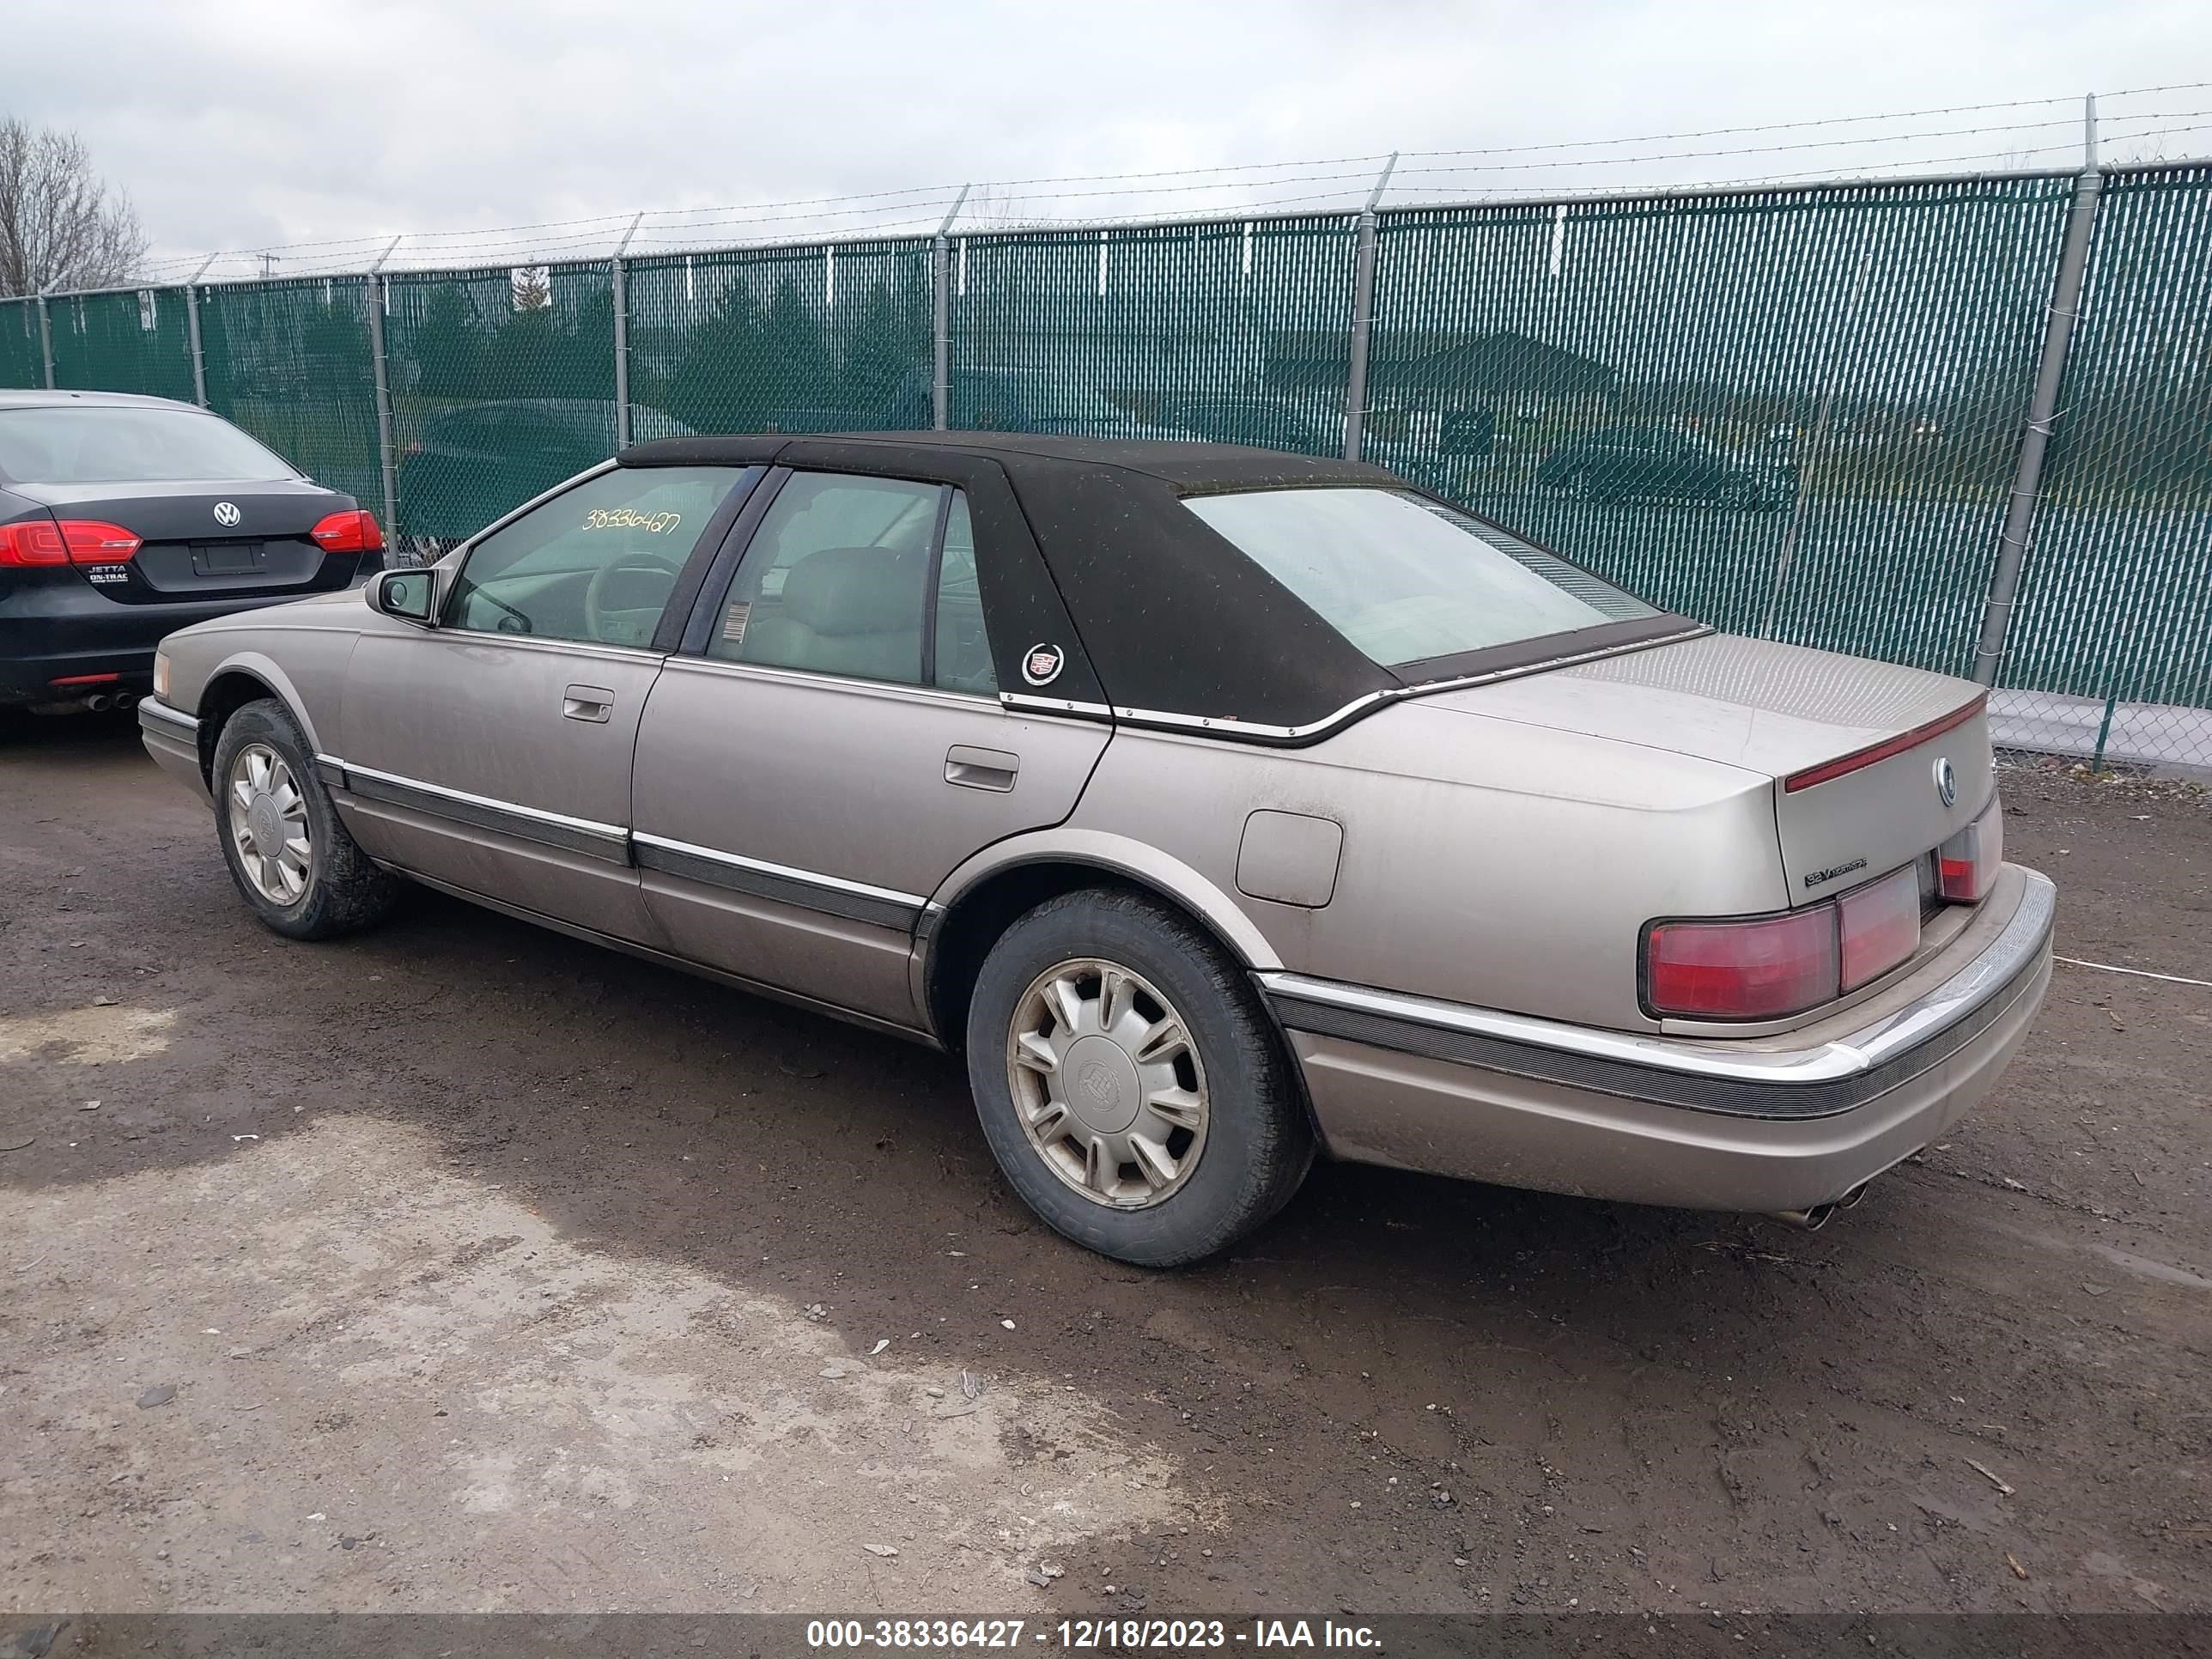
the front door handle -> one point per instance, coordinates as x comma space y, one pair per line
587, 703
981, 768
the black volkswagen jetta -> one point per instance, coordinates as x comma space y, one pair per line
123, 518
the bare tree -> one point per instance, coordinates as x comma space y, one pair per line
60, 225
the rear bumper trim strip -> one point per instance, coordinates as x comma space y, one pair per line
1821, 1081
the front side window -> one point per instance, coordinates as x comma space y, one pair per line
1405, 578
122, 443
838, 580
595, 563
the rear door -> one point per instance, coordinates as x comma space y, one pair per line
493, 752
830, 745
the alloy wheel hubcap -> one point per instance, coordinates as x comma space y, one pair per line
269, 824
1108, 1083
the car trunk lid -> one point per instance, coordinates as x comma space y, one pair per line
1786, 713
206, 541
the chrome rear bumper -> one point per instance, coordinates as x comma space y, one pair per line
1781, 1124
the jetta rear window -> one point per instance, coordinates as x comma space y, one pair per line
1405, 579
112, 443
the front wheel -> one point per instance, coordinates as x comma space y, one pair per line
291, 859
1129, 1083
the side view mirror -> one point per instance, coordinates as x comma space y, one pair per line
409, 595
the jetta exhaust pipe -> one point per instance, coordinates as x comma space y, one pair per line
100, 703
126, 699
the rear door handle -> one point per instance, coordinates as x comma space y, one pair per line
981, 768
587, 703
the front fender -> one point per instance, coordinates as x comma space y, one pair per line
265, 668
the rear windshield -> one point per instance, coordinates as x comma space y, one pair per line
1405, 578
111, 443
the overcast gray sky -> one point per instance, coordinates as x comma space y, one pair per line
242, 123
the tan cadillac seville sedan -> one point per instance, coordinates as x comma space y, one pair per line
1218, 805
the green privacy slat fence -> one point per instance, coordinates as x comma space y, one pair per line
289, 362
2116, 596
21, 362
126, 342
1793, 415
1794, 412
502, 385
1238, 332
812, 340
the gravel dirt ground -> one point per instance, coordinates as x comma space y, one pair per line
462, 1265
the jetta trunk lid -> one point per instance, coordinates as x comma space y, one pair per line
211, 540
1781, 711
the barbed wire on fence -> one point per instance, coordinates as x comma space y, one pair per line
1831, 468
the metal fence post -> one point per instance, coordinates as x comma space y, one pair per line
1363, 313
622, 338
387, 462
940, 373
46, 339
192, 332
2042, 412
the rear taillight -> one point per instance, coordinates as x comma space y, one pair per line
1880, 925
66, 541
1760, 968
1966, 864
1769, 967
353, 531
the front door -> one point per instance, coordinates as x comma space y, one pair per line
493, 752
836, 747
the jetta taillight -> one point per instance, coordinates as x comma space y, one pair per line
65, 540
1769, 967
1966, 864
353, 531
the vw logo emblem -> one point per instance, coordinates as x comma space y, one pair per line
1946, 783
226, 514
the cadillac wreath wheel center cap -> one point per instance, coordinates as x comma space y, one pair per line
1108, 1083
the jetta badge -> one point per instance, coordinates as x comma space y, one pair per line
1042, 665
226, 514
1946, 783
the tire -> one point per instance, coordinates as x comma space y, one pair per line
1251, 1145
338, 889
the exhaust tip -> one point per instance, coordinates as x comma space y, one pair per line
1810, 1220
100, 703
129, 700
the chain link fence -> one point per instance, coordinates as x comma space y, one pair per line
1792, 412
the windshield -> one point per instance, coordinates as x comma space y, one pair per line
120, 443
1405, 578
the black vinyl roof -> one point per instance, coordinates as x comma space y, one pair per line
1170, 619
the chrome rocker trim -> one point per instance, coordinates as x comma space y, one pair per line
588, 836
854, 900
1823, 1081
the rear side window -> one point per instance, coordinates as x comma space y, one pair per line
1405, 578
839, 580
113, 443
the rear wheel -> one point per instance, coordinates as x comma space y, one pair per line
291, 859
1129, 1083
